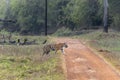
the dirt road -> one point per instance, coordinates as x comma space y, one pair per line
80, 63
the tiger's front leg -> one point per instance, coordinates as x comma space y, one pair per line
55, 51
62, 50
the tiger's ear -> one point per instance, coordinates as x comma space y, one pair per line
65, 42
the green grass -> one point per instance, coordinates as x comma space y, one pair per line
24, 68
27, 62
108, 41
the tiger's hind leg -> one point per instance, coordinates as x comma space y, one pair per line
47, 52
55, 51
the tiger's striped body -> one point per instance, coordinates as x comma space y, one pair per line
54, 47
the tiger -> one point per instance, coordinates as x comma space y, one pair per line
54, 47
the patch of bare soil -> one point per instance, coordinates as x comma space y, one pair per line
80, 63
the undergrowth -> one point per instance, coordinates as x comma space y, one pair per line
27, 63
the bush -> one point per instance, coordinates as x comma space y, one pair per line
63, 32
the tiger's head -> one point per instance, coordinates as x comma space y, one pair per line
65, 45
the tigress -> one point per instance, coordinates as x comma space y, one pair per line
54, 47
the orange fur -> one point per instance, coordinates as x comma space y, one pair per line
54, 47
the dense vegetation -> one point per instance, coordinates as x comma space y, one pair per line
74, 14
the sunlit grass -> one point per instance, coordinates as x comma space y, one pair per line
27, 63
24, 68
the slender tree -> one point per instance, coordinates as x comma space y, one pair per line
105, 18
45, 17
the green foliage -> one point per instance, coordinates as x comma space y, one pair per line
115, 13
63, 32
4, 32
2, 8
84, 12
30, 15
74, 14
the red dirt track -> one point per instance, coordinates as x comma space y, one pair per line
81, 63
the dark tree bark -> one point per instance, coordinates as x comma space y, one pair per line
46, 17
105, 18
5, 20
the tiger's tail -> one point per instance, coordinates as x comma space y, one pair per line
44, 41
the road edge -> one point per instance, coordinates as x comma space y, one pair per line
64, 65
101, 57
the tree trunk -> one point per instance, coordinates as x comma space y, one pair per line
105, 18
45, 17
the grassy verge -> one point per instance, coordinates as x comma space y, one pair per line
27, 62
